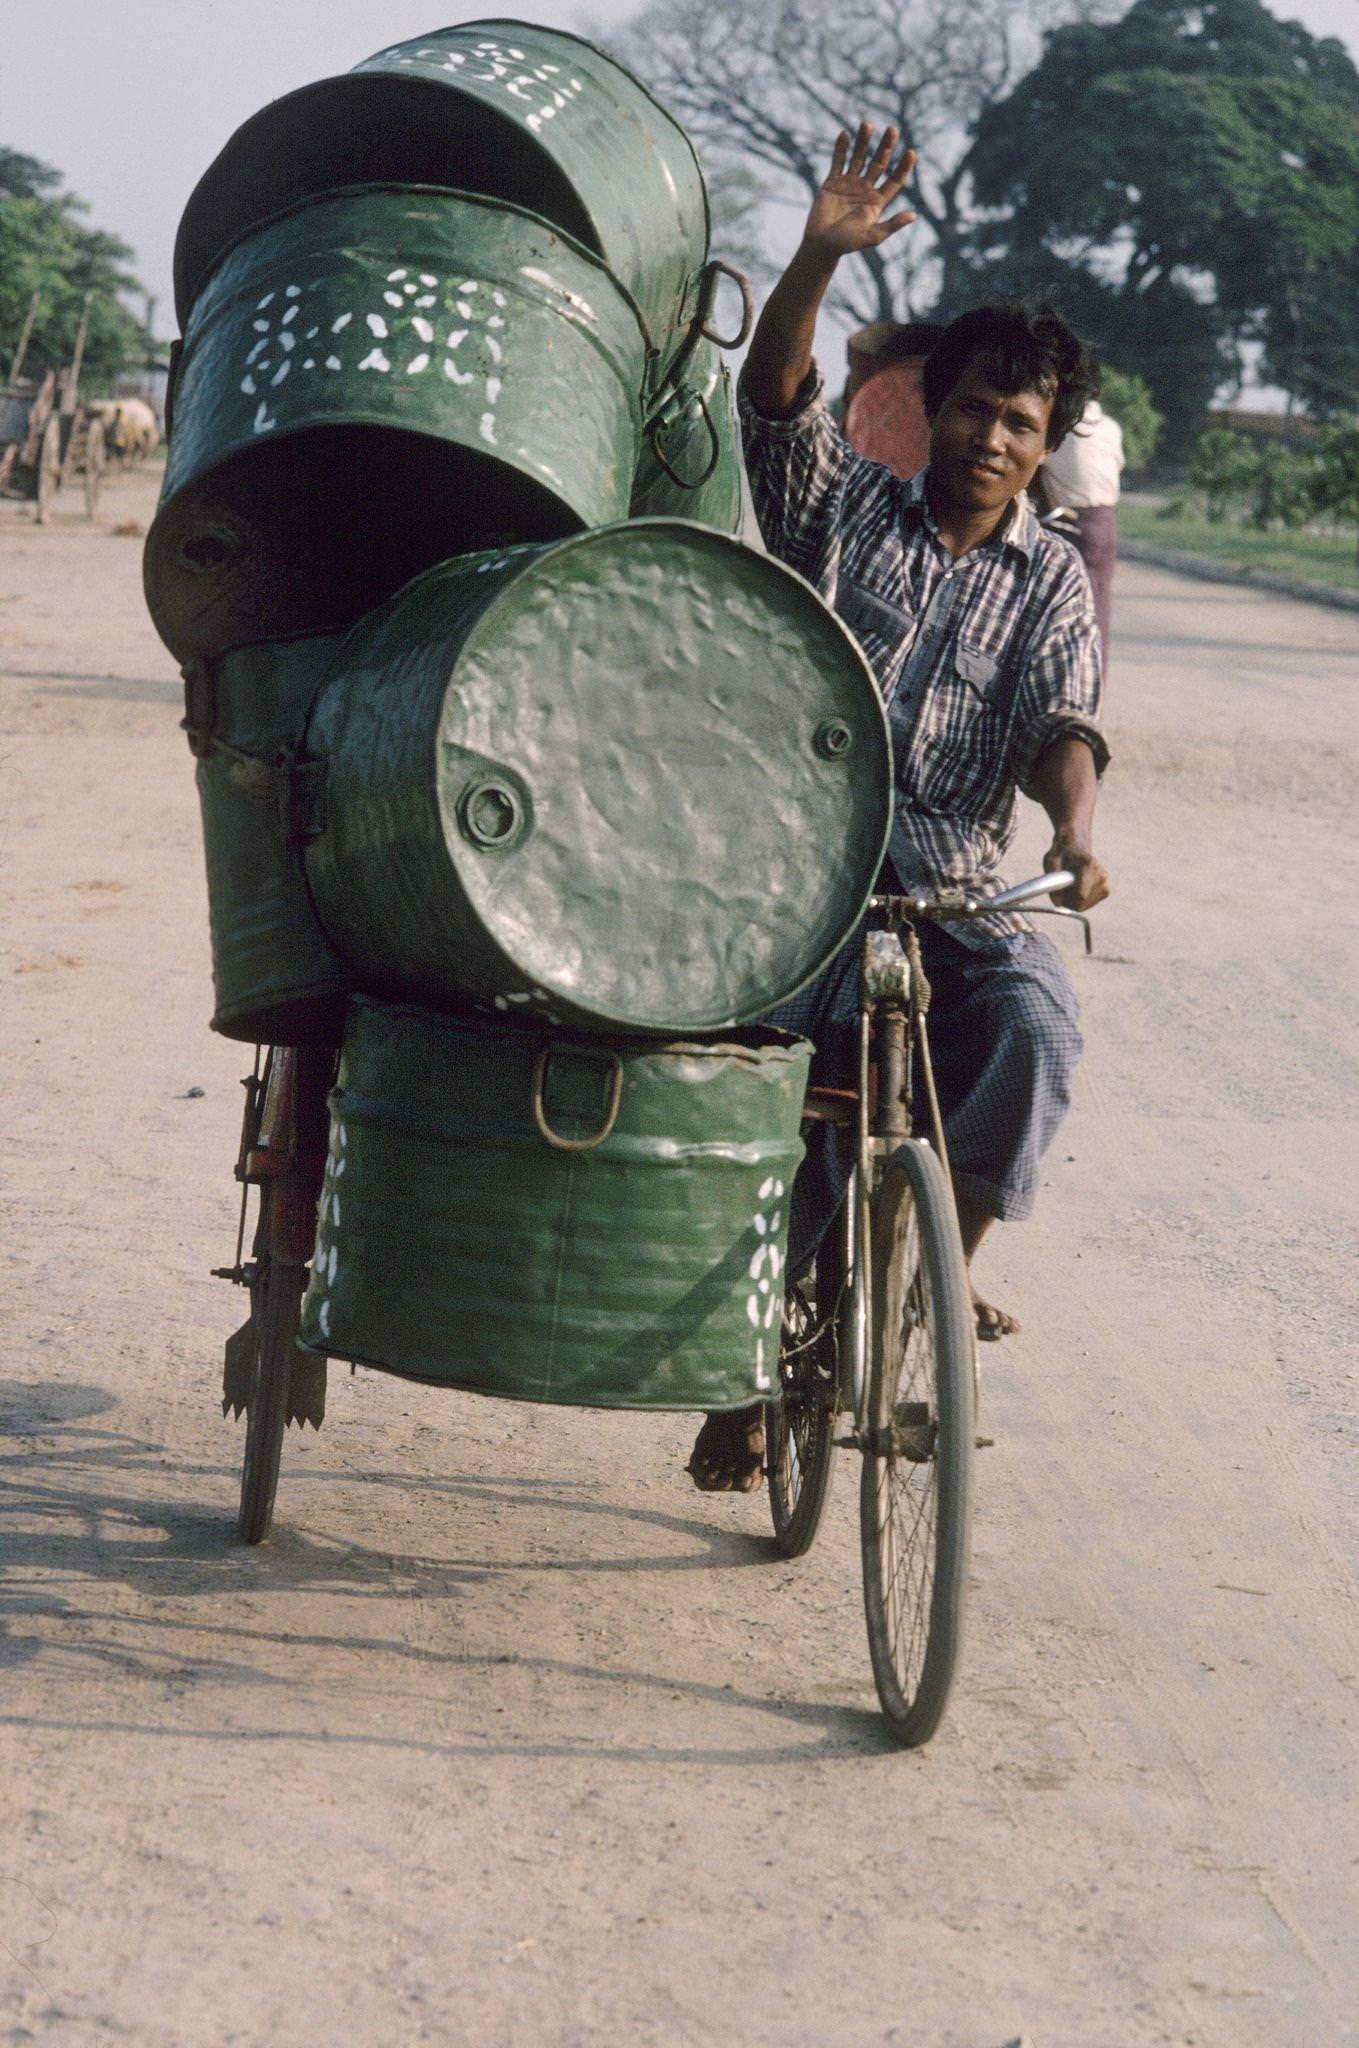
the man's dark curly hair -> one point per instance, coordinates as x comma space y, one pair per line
1019, 345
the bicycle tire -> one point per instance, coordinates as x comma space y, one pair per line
799, 1428
276, 1309
915, 1498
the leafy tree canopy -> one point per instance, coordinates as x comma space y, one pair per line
1195, 154
46, 247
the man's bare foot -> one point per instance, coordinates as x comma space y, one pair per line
974, 1220
728, 1456
992, 1323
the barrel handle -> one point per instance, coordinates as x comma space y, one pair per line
545, 1130
654, 431
716, 269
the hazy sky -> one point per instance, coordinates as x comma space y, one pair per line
131, 99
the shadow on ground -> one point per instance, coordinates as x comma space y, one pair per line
86, 1507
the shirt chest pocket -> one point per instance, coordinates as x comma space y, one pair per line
881, 628
966, 748
976, 680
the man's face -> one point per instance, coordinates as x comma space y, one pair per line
985, 444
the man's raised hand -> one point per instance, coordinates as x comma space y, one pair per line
848, 212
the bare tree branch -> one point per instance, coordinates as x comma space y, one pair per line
765, 84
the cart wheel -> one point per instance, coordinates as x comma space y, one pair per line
916, 1494
799, 1428
276, 1307
49, 469
94, 466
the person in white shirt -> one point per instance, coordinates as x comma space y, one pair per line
1083, 473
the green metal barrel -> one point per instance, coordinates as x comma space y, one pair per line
276, 978
519, 113
638, 780
599, 1225
689, 466
371, 383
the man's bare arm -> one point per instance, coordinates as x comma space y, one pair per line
1066, 785
847, 215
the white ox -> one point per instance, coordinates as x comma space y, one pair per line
131, 429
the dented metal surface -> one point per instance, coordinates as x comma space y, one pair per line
597, 781
375, 381
516, 112
456, 1244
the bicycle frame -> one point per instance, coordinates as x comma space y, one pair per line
894, 997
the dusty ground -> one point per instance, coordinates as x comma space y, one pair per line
509, 1737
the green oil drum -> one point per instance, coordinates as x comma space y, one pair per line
276, 978
519, 113
689, 466
370, 383
602, 1225
638, 780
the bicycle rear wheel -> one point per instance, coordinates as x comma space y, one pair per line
916, 1491
284, 1151
276, 1307
799, 1428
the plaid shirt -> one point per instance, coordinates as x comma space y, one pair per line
983, 662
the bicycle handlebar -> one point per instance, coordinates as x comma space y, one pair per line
957, 903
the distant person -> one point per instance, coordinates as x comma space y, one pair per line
1083, 473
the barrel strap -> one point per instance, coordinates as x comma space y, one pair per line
200, 706
296, 787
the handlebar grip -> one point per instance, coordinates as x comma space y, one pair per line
1026, 892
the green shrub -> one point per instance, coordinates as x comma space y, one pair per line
1282, 488
1335, 472
1127, 399
1223, 467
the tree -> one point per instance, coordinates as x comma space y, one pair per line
767, 83
1206, 155
45, 247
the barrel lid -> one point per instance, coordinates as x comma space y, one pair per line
531, 115
663, 778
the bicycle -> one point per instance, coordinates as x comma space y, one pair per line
882, 1331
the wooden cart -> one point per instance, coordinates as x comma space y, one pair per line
46, 434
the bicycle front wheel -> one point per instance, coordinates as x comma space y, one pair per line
916, 1492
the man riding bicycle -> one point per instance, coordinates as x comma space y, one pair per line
980, 629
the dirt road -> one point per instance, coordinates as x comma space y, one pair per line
509, 1737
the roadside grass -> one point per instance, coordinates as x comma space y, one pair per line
1312, 557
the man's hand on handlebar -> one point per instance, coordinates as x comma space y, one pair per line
1091, 884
